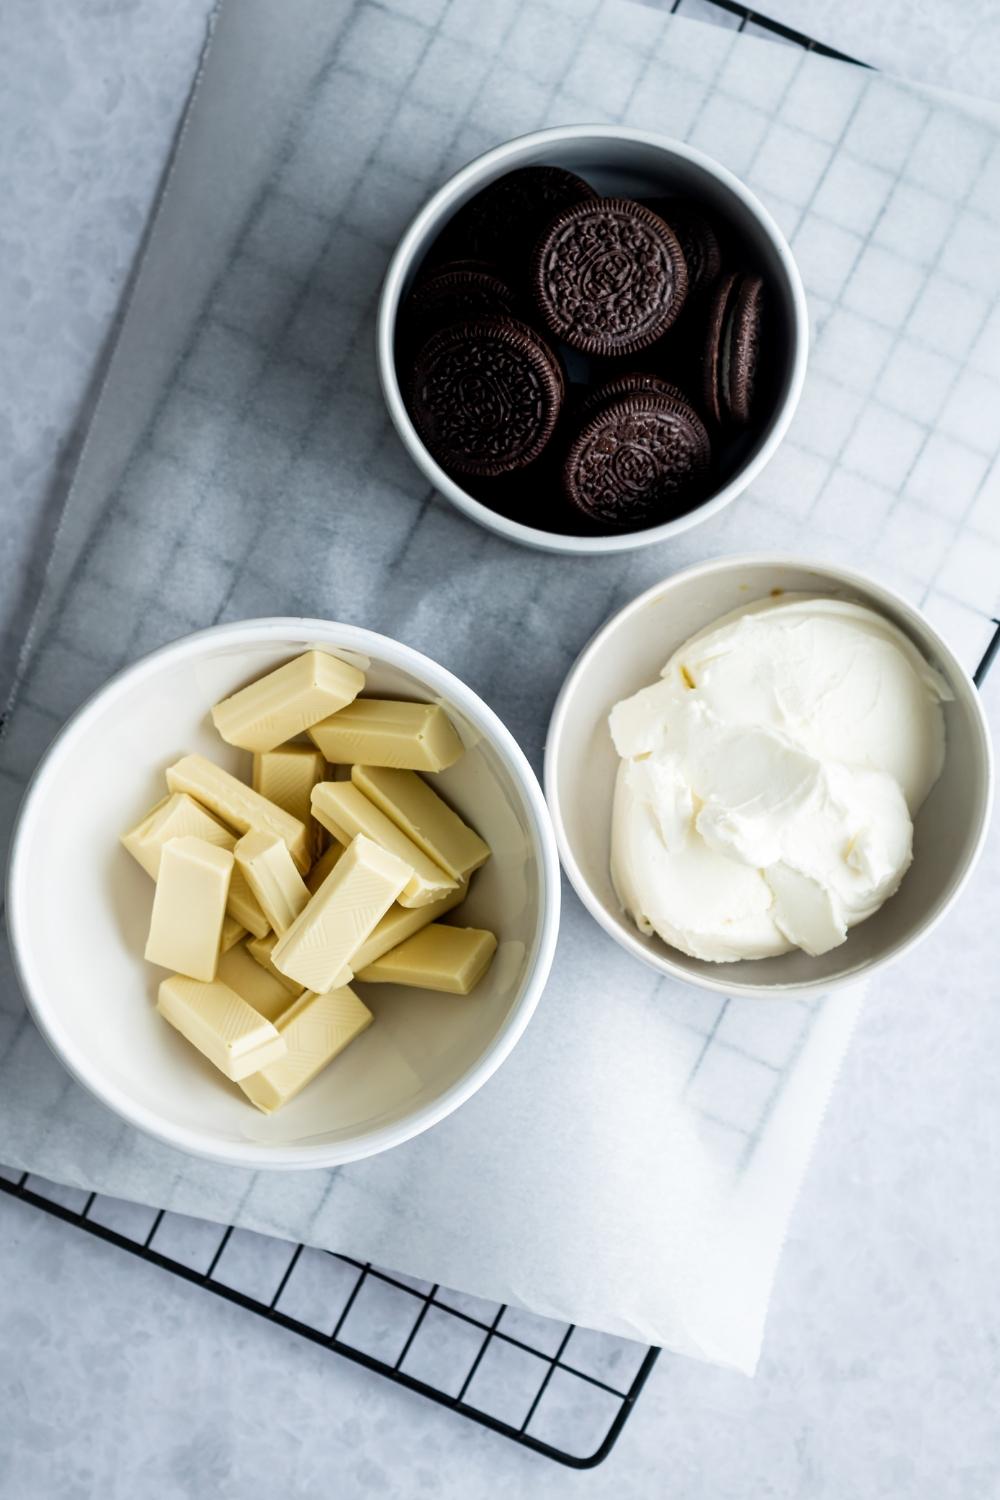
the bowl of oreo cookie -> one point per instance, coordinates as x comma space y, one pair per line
592, 338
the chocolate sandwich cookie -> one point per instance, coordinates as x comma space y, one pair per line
485, 396
634, 383
732, 347
452, 295
608, 277
639, 460
698, 241
503, 222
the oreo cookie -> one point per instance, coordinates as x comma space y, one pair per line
732, 347
639, 460
698, 241
608, 277
634, 383
453, 294
485, 396
503, 222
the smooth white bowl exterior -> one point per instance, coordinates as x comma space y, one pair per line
78, 911
614, 160
629, 651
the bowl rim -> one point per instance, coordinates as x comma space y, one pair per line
256, 1154
399, 267
661, 961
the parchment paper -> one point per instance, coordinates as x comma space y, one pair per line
633, 1166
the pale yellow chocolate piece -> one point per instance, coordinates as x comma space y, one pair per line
220, 1023
271, 875
428, 821
358, 891
346, 812
287, 701
452, 959
189, 907
400, 923
315, 1029
260, 950
233, 932
257, 986
177, 816
384, 732
238, 805
286, 776
323, 866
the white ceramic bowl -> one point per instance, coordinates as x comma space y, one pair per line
78, 910
637, 164
629, 651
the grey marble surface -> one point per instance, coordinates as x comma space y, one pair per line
881, 1372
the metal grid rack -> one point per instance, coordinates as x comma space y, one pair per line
562, 1391
559, 1390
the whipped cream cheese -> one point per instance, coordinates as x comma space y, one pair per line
769, 781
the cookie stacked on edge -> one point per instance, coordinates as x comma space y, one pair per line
579, 361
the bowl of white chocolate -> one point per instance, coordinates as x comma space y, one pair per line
768, 776
283, 894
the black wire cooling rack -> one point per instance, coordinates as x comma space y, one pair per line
563, 1391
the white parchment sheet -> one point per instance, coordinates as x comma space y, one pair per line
633, 1166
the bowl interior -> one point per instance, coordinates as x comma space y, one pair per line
583, 765
82, 909
622, 164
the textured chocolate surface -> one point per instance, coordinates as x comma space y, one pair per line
485, 396
639, 460
609, 277
503, 222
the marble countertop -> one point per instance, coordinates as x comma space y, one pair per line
881, 1370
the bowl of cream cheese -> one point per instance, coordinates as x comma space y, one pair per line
768, 775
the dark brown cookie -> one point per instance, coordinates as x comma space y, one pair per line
732, 347
503, 222
485, 396
634, 383
453, 296
609, 277
697, 238
639, 460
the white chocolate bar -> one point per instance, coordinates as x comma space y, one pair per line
175, 817
272, 877
189, 907
314, 1030
220, 1023
428, 821
233, 932
400, 923
346, 812
267, 994
238, 805
287, 701
452, 959
286, 776
260, 950
384, 732
359, 890
323, 866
